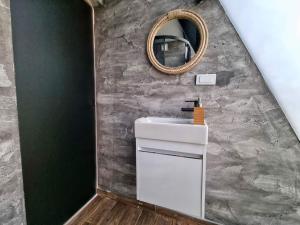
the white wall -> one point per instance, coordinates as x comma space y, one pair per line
270, 29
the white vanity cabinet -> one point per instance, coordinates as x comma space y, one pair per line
171, 173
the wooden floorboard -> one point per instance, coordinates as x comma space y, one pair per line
164, 220
132, 215
115, 215
102, 211
109, 209
147, 217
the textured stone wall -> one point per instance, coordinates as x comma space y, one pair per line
253, 154
12, 211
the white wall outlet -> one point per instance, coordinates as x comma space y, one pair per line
206, 79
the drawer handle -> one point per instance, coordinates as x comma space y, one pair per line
171, 153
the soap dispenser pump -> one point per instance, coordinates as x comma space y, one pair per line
198, 111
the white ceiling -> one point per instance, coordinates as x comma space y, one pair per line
270, 29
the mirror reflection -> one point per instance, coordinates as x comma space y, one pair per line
176, 42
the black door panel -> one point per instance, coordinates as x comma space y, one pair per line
53, 53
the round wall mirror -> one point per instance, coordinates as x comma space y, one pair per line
177, 41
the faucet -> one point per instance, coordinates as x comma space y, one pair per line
196, 104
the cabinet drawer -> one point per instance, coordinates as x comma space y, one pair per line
170, 181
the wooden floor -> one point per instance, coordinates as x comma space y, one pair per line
109, 209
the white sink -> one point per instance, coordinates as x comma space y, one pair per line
171, 161
171, 129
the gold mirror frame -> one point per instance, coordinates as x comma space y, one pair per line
178, 14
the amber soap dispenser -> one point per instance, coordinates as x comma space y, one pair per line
198, 111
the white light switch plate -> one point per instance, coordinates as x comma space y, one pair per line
206, 79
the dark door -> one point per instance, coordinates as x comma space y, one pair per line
53, 53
